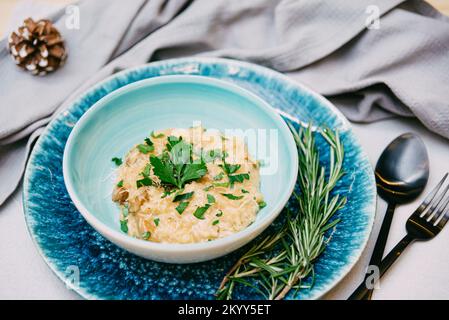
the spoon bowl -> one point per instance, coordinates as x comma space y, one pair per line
402, 171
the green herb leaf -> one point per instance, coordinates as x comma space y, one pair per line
124, 226
125, 210
221, 184
156, 136
262, 204
148, 142
231, 196
146, 170
182, 206
219, 213
218, 176
215, 222
182, 197
230, 168
200, 211
210, 198
208, 188
120, 184
156, 221
245, 191
172, 141
146, 181
238, 178
144, 148
163, 170
193, 172
146, 235
117, 161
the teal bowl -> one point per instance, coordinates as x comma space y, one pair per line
126, 116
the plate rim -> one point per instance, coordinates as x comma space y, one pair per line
265, 71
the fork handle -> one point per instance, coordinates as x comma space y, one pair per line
386, 263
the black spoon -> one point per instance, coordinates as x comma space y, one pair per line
402, 172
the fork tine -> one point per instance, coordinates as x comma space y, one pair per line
440, 210
436, 204
445, 216
429, 199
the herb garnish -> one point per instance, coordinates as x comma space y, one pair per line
231, 196
219, 213
117, 161
146, 181
210, 198
200, 211
280, 262
145, 148
182, 206
175, 167
183, 196
124, 226
156, 221
215, 222
229, 168
262, 204
221, 184
120, 184
245, 191
208, 188
218, 176
146, 235
156, 136
238, 178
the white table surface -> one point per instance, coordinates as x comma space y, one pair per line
420, 273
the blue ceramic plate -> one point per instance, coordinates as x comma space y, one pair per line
73, 250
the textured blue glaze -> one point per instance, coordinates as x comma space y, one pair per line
65, 239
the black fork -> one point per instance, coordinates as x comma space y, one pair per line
424, 224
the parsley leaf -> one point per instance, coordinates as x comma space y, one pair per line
182, 206
208, 188
117, 161
238, 178
182, 197
149, 142
175, 167
156, 221
124, 226
215, 222
245, 191
231, 196
120, 184
156, 136
200, 211
230, 168
262, 204
193, 172
218, 176
172, 141
146, 235
145, 148
163, 170
221, 184
210, 198
219, 213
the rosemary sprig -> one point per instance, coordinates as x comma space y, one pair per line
279, 262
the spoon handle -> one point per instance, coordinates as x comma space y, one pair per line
379, 247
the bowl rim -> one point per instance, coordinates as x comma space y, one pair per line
244, 235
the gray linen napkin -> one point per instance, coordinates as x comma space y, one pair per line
400, 68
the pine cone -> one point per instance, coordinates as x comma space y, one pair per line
37, 47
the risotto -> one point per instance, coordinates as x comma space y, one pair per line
187, 185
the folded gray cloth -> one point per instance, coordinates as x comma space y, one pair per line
399, 68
